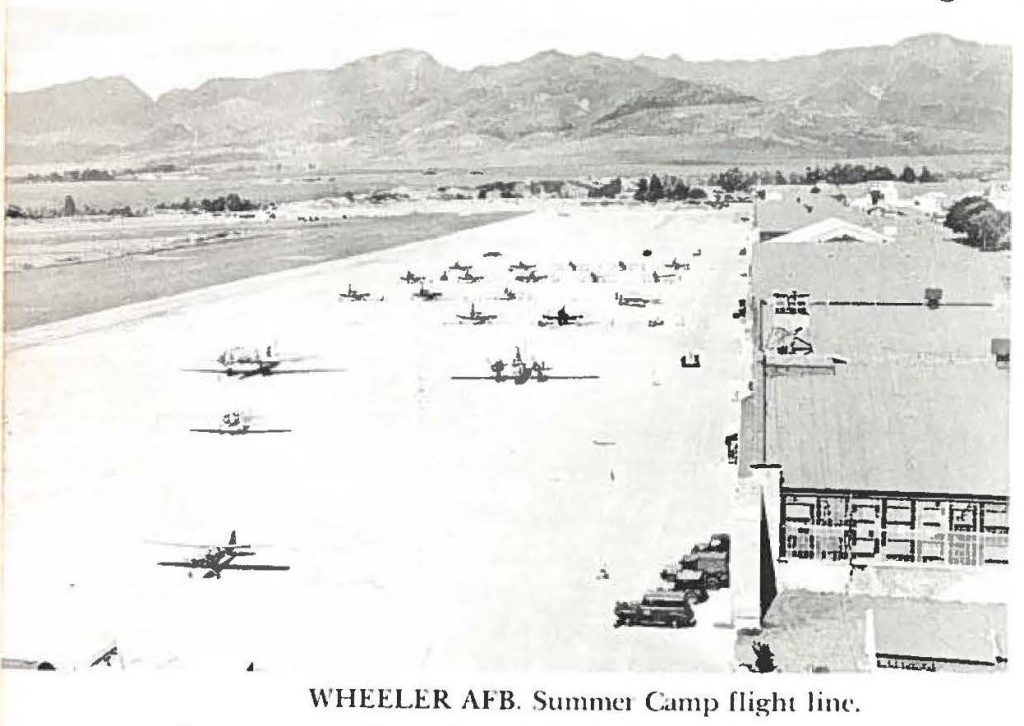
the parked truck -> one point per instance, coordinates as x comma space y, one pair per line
710, 558
692, 582
665, 608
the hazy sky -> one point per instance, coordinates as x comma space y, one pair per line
181, 43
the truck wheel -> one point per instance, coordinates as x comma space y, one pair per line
677, 623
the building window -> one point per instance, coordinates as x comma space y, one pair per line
933, 549
799, 544
840, 526
963, 516
963, 549
930, 514
832, 512
865, 512
995, 518
898, 512
899, 550
995, 549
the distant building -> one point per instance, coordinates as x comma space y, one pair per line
999, 195
832, 230
930, 202
884, 190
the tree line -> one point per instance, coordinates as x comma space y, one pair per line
74, 175
228, 203
89, 174
669, 187
735, 179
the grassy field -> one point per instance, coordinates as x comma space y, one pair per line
68, 268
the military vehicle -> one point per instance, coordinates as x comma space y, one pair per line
664, 608
710, 558
693, 583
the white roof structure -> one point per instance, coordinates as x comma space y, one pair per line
832, 230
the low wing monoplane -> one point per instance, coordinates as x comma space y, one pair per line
532, 277
520, 266
476, 317
219, 558
560, 318
521, 373
238, 424
354, 295
242, 362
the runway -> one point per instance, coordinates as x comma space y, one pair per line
429, 523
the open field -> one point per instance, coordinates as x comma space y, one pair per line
429, 523
607, 157
63, 268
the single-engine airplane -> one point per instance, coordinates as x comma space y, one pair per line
532, 277
520, 266
243, 362
425, 294
521, 372
468, 276
560, 318
460, 267
492, 253
410, 278
221, 557
634, 302
352, 294
475, 317
677, 265
238, 424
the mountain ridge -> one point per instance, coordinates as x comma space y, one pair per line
924, 94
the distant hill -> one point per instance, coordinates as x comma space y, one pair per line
927, 94
931, 94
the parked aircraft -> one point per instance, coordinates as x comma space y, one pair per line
219, 558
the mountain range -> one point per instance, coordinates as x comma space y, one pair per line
931, 94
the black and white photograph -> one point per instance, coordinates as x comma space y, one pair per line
556, 339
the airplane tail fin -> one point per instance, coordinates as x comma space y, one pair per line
233, 539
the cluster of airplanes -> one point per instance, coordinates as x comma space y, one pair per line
243, 363
524, 273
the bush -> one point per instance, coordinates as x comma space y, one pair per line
988, 228
962, 210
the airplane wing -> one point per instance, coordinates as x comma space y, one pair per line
207, 431
254, 567
268, 431
183, 564
204, 370
473, 378
569, 378
212, 545
279, 372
